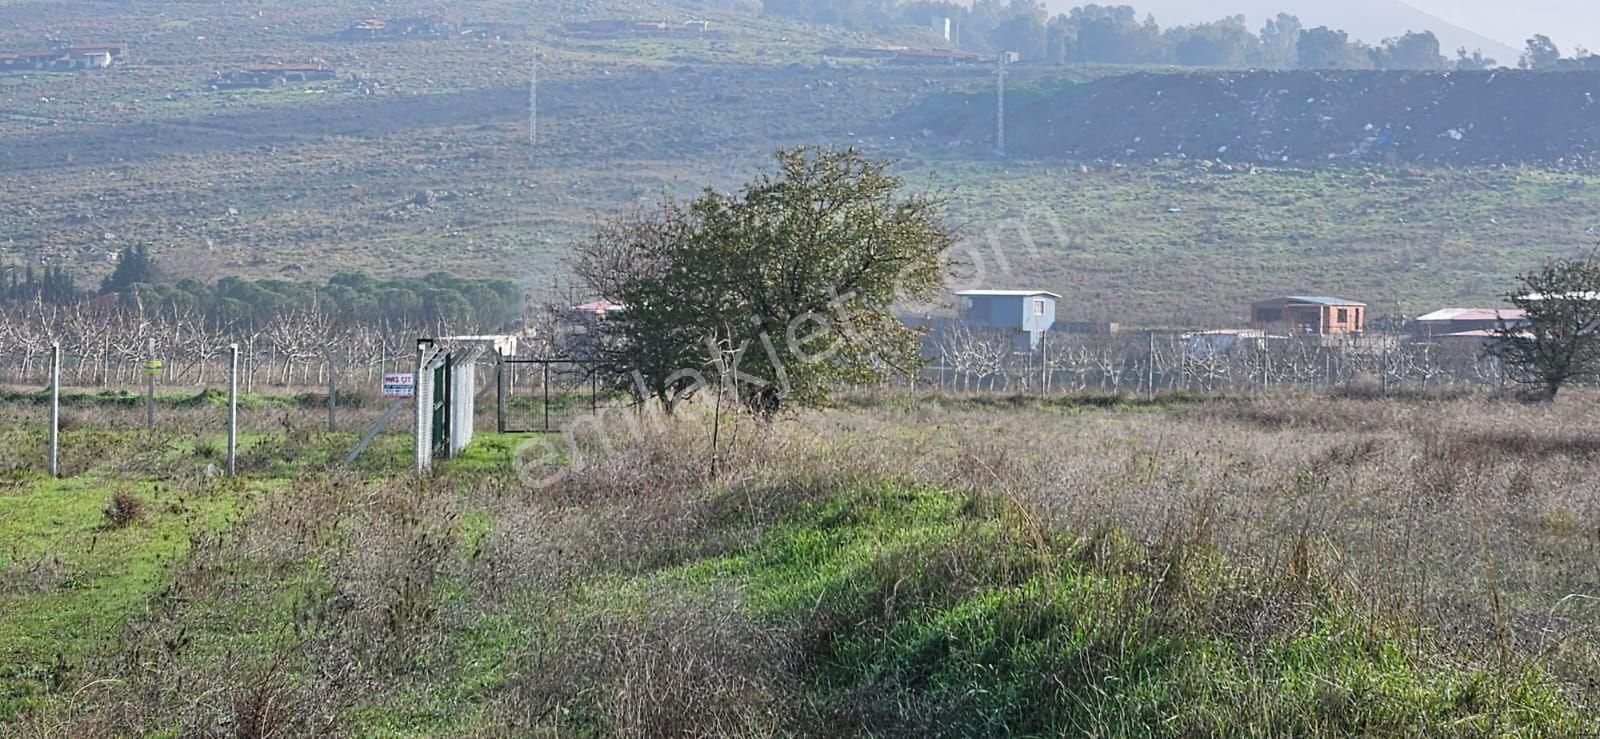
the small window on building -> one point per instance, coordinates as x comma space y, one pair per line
1038, 306
1344, 315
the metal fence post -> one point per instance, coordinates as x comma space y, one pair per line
233, 409
499, 393
332, 390
1183, 365
1151, 370
420, 445
151, 369
546, 391
55, 410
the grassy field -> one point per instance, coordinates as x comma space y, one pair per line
899, 566
1190, 246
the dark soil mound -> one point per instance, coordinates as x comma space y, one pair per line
1453, 118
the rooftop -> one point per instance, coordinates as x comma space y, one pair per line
1473, 314
599, 306
1315, 300
1564, 296
1005, 293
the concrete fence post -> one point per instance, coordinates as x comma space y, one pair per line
55, 410
233, 409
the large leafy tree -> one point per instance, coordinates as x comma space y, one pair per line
1541, 53
1325, 48
1411, 51
1278, 39
1559, 342
779, 291
1225, 43
1473, 61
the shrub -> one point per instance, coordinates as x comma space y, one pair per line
207, 448
123, 509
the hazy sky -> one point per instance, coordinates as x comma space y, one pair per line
1568, 22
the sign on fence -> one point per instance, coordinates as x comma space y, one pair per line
399, 385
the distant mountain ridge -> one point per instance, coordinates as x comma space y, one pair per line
1368, 20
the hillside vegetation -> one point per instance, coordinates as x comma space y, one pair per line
417, 160
1188, 244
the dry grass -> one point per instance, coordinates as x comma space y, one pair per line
644, 596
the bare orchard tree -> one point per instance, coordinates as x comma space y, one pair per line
40, 327
200, 341
86, 337
1067, 358
977, 356
362, 351
298, 338
1110, 357
1210, 370
129, 342
549, 330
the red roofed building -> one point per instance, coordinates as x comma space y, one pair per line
598, 308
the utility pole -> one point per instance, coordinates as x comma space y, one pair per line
1000, 107
533, 101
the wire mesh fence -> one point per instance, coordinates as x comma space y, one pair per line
1152, 362
180, 388
544, 395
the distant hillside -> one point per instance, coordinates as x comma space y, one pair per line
1369, 20
1459, 118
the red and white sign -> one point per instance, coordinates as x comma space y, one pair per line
399, 385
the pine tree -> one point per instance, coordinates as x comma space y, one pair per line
135, 267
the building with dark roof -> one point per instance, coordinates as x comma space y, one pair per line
1310, 315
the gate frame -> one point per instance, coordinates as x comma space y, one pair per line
438, 406
544, 363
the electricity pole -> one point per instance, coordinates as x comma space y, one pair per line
1000, 107
533, 101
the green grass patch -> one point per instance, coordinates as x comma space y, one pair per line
70, 577
924, 612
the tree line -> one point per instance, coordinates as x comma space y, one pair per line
1116, 34
229, 303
